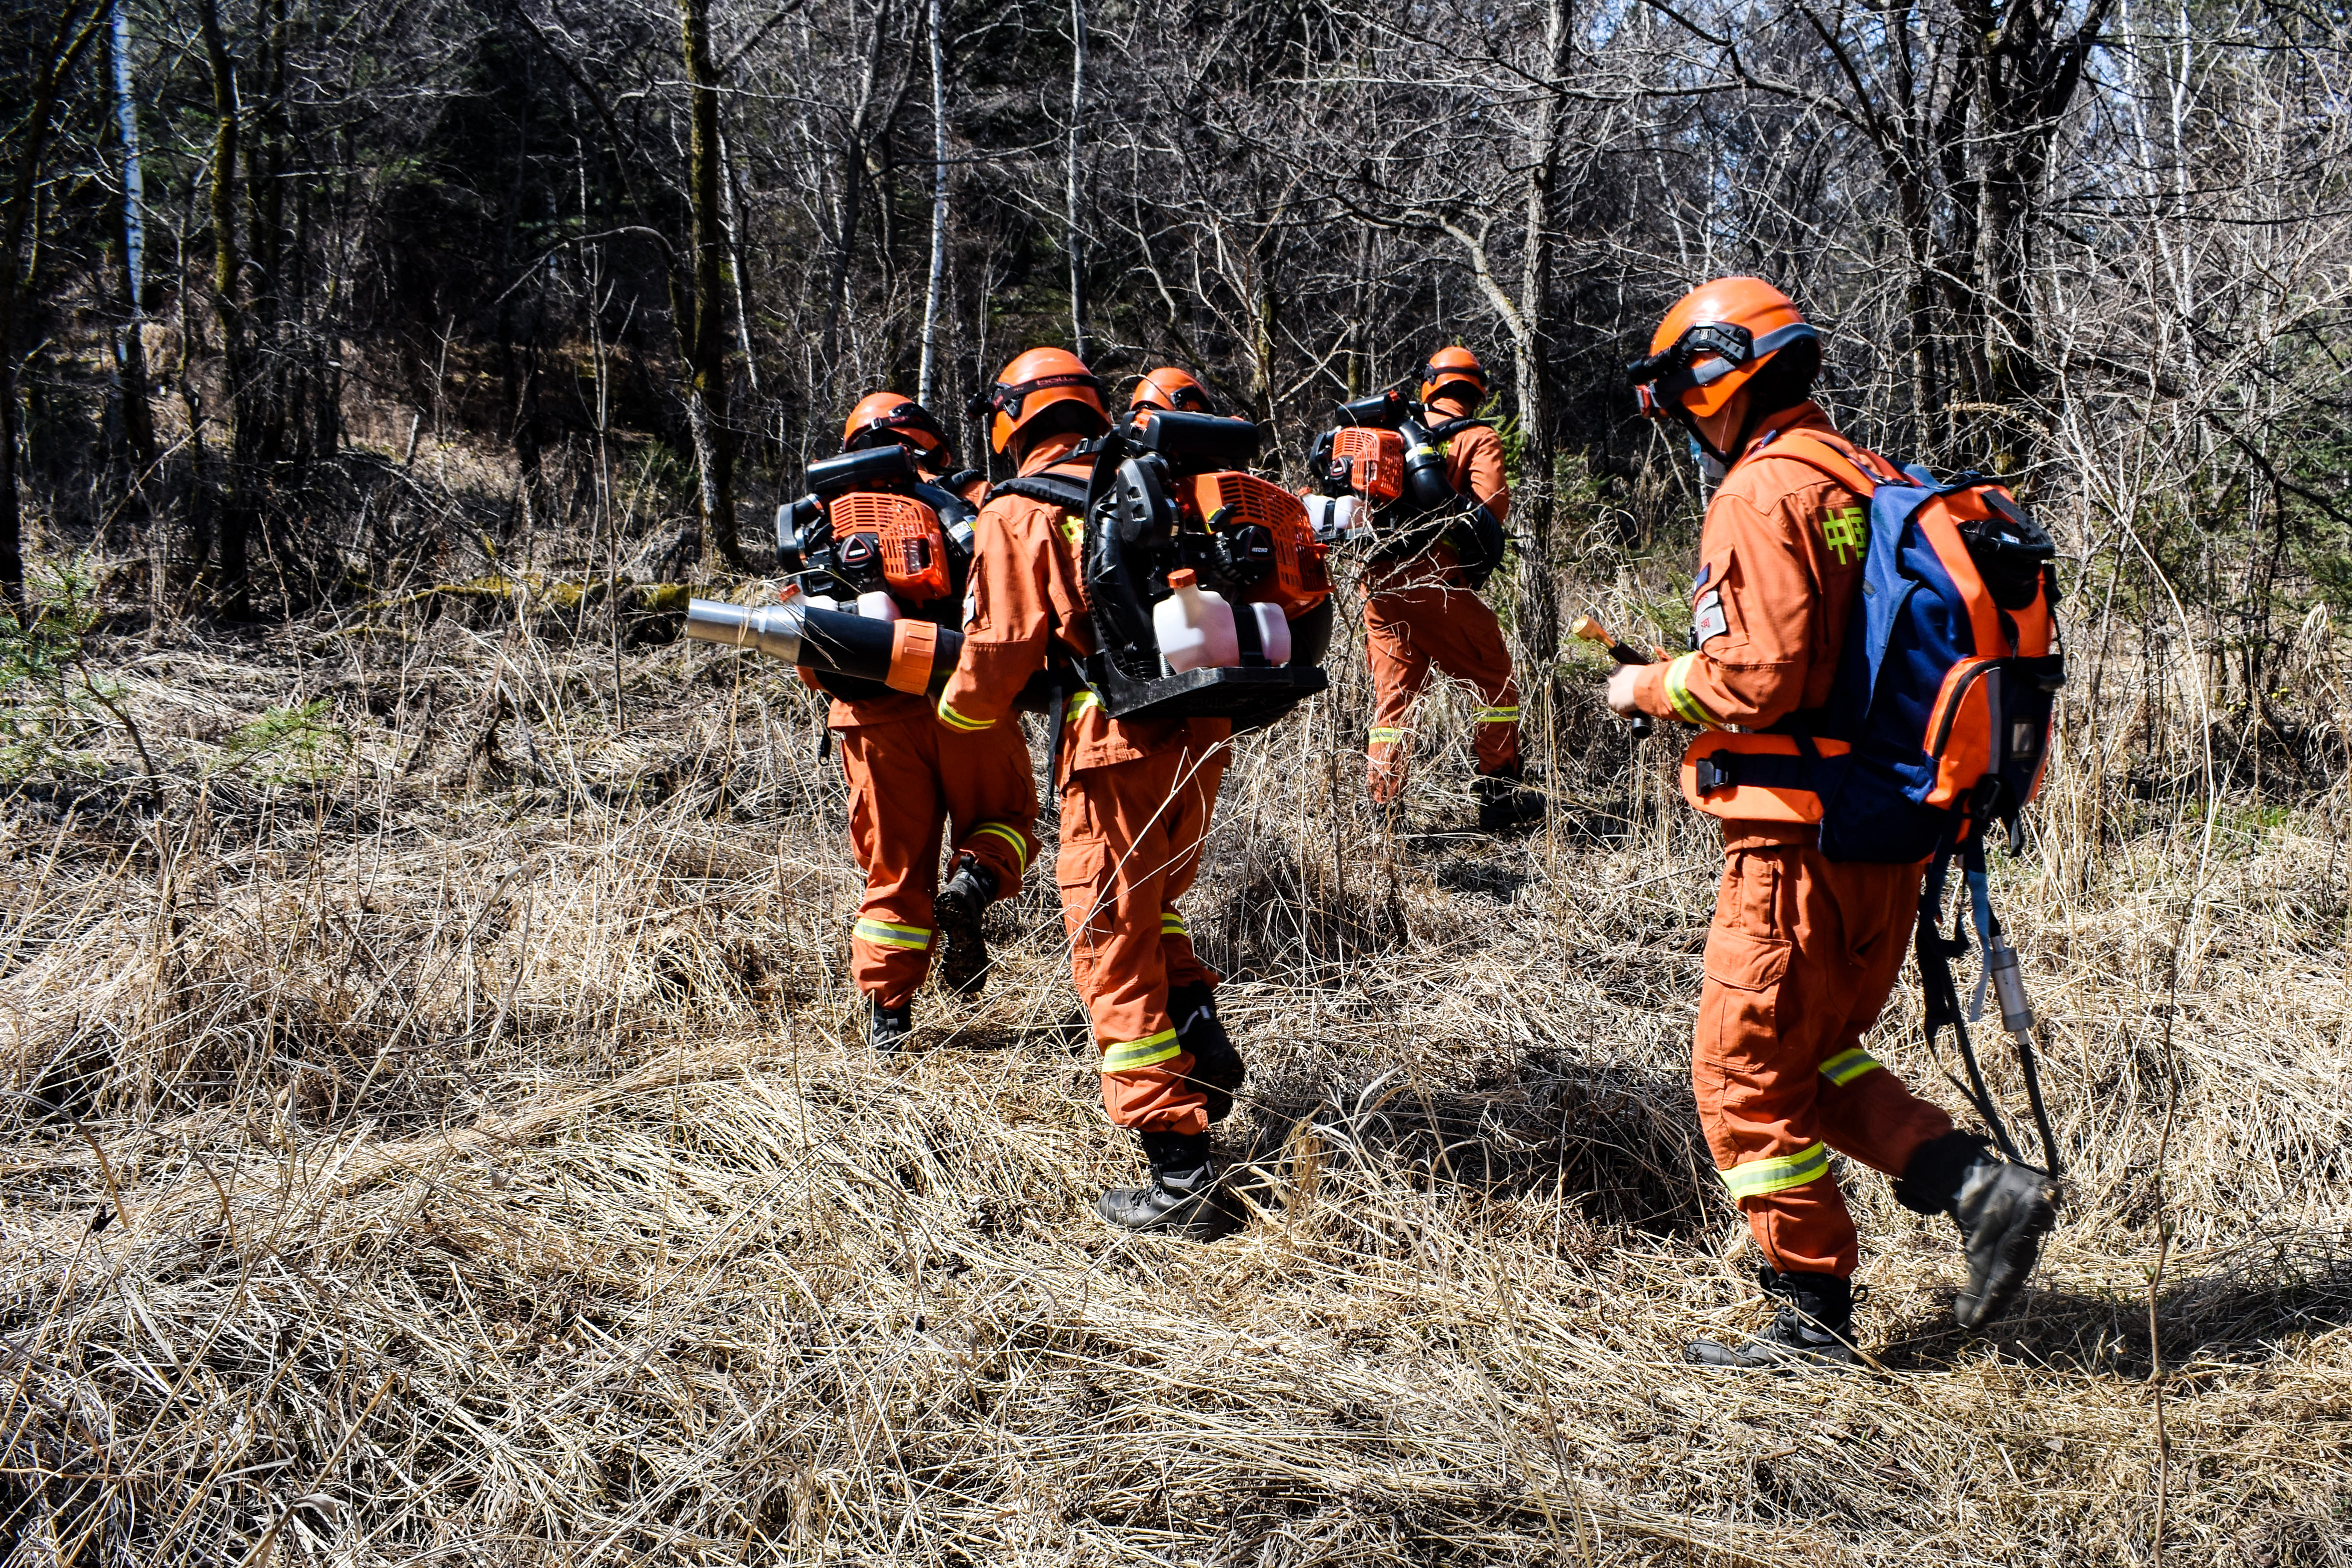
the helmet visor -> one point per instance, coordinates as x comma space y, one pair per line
1701, 357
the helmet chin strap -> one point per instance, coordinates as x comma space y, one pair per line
1699, 443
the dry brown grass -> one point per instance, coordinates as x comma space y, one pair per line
496, 1177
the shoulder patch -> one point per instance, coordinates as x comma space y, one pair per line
1708, 620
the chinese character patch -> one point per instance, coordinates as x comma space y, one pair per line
1847, 532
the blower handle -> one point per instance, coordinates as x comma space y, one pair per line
1592, 631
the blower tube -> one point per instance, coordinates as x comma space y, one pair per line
910, 656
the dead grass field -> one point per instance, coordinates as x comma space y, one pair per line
492, 1174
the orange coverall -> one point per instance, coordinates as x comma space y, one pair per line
1804, 950
1417, 614
909, 779
1135, 802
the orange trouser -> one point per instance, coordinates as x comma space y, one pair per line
908, 778
1131, 838
1799, 960
1407, 629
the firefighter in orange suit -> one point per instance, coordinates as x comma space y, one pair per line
1175, 390
909, 778
1135, 805
1804, 950
1418, 614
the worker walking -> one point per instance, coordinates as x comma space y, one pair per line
1419, 614
1136, 801
909, 779
1804, 950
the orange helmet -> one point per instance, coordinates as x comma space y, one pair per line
1712, 343
1449, 365
882, 416
1035, 381
1171, 389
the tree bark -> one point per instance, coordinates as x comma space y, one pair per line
1530, 344
236, 360
138, 424
76, 24
705, 402
936, 290
1072, 228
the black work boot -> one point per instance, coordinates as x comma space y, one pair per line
963, 952
2003, 1210
1505, 802
1814, 1328
887, 1028
1181, 1199
1217, 1068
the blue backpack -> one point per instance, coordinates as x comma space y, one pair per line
1938, 723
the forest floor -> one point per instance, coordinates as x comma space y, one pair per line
439, 1131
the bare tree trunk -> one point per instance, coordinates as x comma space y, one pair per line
130, 348
1530, 343
706, 399
851, 199
1071, 226
1359, 324
236, 360
938, 285
76, 25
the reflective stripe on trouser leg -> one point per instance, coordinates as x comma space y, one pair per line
1755, 1178
1012, 836
890, 933
1148, 1052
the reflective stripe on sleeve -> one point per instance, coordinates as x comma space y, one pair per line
1172, 923
1077, 705
955, 720
1679, 696
1020, 846
1757, 1178
883, 933
1847, 1066
1149, 1051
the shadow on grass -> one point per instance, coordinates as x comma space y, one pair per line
2275, 1287
1620, 1145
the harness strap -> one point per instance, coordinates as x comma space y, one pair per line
1848, 465
1446, 429
1070, 495
1942, 995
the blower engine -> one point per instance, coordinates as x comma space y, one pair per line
1384, 484
872, 539
1169, 511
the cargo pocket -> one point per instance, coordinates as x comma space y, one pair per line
1749, 943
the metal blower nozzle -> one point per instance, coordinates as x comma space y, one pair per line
773, 629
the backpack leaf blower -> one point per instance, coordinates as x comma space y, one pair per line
1383, 479
1205, 585
873, 535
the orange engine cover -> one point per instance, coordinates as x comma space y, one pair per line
913, 546
1229, 500
1375, 459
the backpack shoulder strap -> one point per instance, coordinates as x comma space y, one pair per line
1446, 429
1860, 471
1069, 494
